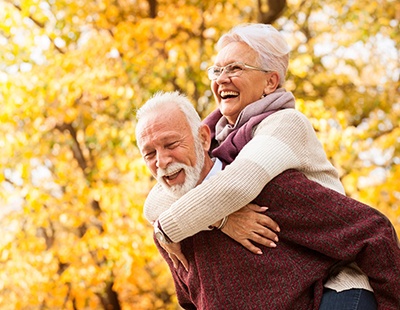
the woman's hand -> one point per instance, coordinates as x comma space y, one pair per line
250, 224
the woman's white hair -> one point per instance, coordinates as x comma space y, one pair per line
266, 41
170, 99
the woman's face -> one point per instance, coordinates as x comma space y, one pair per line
235, 93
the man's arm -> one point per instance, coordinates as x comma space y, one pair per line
182, 291
339, 227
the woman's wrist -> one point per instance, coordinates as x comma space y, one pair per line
220, 224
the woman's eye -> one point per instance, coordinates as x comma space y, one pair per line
235, 68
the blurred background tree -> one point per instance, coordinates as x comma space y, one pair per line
72, 74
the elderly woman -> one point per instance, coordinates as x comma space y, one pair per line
247, 82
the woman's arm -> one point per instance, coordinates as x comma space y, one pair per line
283, 141
245, 225
158, 200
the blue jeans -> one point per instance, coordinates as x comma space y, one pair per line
354, 299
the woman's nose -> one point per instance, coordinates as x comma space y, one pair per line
222, 78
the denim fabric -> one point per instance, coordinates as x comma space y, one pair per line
354, 299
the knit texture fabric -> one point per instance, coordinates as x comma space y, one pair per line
320, 229
345, 276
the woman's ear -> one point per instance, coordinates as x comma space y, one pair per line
205, 137
271, 82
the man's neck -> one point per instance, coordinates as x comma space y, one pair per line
208, 164
218, 166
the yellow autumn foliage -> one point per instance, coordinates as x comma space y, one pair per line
73, 74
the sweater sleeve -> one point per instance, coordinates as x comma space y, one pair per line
157, 201
338, 227
283, 141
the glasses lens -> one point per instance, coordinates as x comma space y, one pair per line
214, 72
234, 69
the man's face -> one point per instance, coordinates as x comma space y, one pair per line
175, 158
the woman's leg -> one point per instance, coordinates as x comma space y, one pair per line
354, 299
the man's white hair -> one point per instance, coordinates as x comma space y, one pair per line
170, 99
266, 41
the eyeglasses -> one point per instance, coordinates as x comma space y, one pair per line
231, 70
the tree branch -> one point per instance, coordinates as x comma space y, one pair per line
152, 8
274, 11
76, 149
40, 25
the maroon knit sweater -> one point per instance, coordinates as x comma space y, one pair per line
320, 228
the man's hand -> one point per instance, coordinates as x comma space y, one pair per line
175, 253
250, 224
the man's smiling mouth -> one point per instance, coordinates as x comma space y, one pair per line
172, 175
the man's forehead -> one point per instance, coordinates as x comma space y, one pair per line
162, 127
165, 120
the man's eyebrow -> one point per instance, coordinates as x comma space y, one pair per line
173, 137
146, 149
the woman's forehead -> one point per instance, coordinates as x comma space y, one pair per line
235, 51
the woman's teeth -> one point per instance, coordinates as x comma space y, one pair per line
228, 94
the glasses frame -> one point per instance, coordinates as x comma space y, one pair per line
230, 74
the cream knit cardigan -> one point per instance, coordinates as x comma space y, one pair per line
284, 140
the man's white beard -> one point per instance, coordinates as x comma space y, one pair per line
192, 174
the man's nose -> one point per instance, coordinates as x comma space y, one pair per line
163, 159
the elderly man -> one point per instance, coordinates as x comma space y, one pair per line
320, 227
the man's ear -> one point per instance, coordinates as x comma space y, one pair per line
271, 82
205, 137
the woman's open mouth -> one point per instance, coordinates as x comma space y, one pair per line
228, 94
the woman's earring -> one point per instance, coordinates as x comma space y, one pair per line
263, 96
